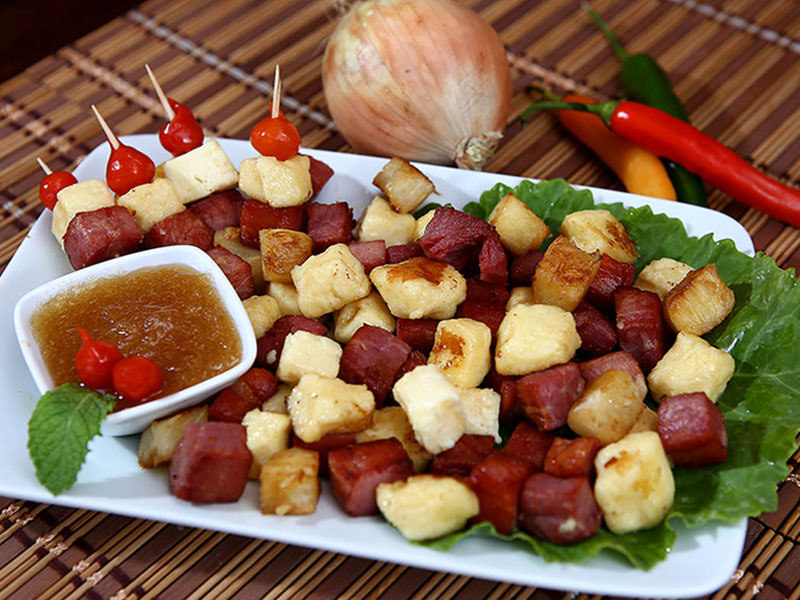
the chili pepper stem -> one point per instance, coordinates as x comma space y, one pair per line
616, 46
604, 110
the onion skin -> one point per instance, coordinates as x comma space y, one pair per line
425, 80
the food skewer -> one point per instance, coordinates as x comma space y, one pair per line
168, 112
275, 135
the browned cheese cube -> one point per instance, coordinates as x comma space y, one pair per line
564, 274
700, 302
404, 185
290, 482
281, 251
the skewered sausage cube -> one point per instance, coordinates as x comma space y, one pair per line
558, 510
281, 251
661, 275
185, 227
692, 430
392, 422
201, 172
380, 222
700, 302
462, 351
305, 352
607, 409
564, 274
497, 481
279, 183
691, 365
520, 229
634, 486
220, 209
290, 482
285, 294
426, 506
533, 338
158, 441
262, 311
369, 310
482, 412
228, 238
404, 185
267, 433
322, 405
101, 234
599, 230
151, 202
78, 197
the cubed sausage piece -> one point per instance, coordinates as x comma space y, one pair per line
210, 463
401, 252
492, 261
231, 406
220, 209
619, 361
97, 235
329, 224
484, 291
357, 470
270, 345
372, 357
458, 461
415, 359
258, 215
640, 325
558, 510
181, 228
370, 254
530, 444
236, 269
692, 430
506, 386
546, 396
497, 481
332, 441
611, 275
523, 267
417, 333
598, 336
488, 313
454, 237
259, 383
320, 174
572, 458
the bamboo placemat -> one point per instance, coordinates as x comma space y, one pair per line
735, 64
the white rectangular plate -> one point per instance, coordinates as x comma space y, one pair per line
112, 481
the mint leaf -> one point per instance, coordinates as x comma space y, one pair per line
59, 431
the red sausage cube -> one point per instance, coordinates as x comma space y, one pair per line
97, 235
572, 458
692, 430
529, 444
399, 253
370, 254
620, 361
231, 406
259, 383
181, 228
270, 345
484, 291
329, 224
236, 269
611, 275
488, 313
417, 333
220, 209
597, 334
332, 441
258, 215
506, 386
546, 396
523, 267
641, 328
320, 174
458, 461
558, 510
454, 237
497, 480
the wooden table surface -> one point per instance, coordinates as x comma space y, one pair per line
734, 63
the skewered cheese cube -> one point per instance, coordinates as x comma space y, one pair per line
285, 294
425, 506
520, 229
281, 251
380, 222
700, 302
482, 411
305, 352
421, 224
420, 288
404, 185
322, 405
691, 365
608, 407
262, 311
278, 183
277, 402
149, 203
634, 486
158, 441
78, 197
661, 275
646, 421
392, 421
290, 482
267, 433
369, 310
564, 274
599, 230
533, 337
202, 171
229, 239
520, 295
326, 282
462, 351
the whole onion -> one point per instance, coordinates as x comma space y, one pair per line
425, 80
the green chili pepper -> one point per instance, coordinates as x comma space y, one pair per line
645, 81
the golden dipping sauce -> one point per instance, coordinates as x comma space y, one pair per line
171, 314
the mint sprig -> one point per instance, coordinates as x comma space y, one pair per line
59, 431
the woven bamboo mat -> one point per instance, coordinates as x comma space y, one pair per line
735, 63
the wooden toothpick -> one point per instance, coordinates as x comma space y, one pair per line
276, 93
170, 114
112, 139
47, 170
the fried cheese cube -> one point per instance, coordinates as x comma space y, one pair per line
564, 274
421, 224
277, 402
420, 288
520, 229
305, 352
482, 411
462, 351
229, 239
285, 294
646, 421
369, 310
279, 183
281, 251
597, 230
262, 311
691, 365
202, 171
158, 441
534, 337
380, 222
404, 185
267, 433
392, 421
700, 302
634, 486
290, 482
607, 409
322, 405
520, 295
329, 281
426, 506
78, 197
149, 203
433, 406
661, 275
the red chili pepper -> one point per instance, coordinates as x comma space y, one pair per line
183, 132
52, 184
95, 360
678, 141
136, 378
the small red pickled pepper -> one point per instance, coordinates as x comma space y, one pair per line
127, 167
136, 378
53, 182
182, 133
95, 360
275, 135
